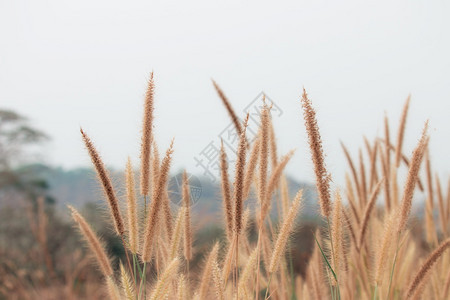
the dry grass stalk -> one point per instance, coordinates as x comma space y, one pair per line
156, 204
108, 190
283, 235
113, 292
387, 182
426, 267
229, 108
147, 124
186, 194
218, 283
273, 144
249, 270
401, 132
411, 180
132, 210
315, 144
387, 138
182, 291
226, 193
363, 178
93, 242
352, 169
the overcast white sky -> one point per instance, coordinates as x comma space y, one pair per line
67, 64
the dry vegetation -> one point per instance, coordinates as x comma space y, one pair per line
366, 248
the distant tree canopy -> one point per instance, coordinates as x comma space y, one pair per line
17, 139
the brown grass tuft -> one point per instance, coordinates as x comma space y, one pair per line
147, 124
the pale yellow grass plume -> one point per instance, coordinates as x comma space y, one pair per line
386, 171
315, 144
249, 270
126, 283
226, 193
239, 180
156, 204
229, 108
273, 182
352, 169
167, 213
284, 233
273, 144
176, 236
387, 143
147, 129
155, 166
251, 167
411, 179
186, 194
337, 235
218, 282
429, 204
108, 190
132, 210
427, 267
182, 290
113, 292
207, 272
263, 155
362, 173
401, 133
161, 289
94, 243
367, 213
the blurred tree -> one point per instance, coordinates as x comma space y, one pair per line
17, 140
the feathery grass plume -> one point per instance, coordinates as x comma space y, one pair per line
126, 283
351, 199
442, 210
147, 124
176, 237
363, 177
229, 258
284, 196
387, 138
367, 212
156, 204
167, 213
427, 266
336, 235
239, 180
251, 167
373, 165
273, 182
315, 144
401, 132
352, 169
249, 269
277, 172
207, 272
182, 291
229, 108
382, 251
113, 292
155, 166
132, 211
218, 283
349, 226
263, 155
226, 193
93, 242
187, 218
283, 235
103, 176
160, 290
273, 144
411, 179
430, 232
